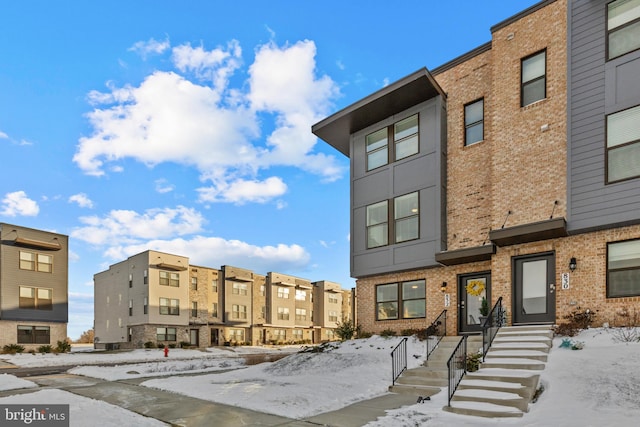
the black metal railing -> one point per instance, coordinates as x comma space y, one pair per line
490, 327
435, 332
457, 366
399, 359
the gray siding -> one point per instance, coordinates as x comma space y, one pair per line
597, 87
422, 172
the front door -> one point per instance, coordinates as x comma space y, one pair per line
534, 289
193, 337
472, 310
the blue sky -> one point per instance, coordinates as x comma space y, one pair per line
185, 127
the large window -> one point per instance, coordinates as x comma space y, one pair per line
283, 293
36, 262
166, 334
623, 145
34, 334
238, 311
301, 295
333, 316
236, 335
404, 300
239, 288
377, 225
36, 298
474, 122
623, 268
405, 142
301, 314
283, 313
406, 225
170, 306
169, 279
623, 27
333, 299
407, 216
534, 78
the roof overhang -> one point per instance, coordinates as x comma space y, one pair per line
466, 255
168, 266
532, 232
38, 244
392, 99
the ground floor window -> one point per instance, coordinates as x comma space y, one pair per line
34, 334
404, 300
166, 334
236, 335
623, 268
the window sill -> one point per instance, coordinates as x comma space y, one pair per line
533, 104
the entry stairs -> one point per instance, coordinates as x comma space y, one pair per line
505, 383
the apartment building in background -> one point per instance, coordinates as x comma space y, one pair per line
33, 286
511, 172
160, 298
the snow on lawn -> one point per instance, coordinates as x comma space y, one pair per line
84, 411
9, 382
303, 384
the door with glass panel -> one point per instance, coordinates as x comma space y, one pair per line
534, 291
474, 301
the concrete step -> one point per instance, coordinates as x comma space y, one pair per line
521, 339
520, 354
510, 387
417, 390
426, 372
483, 409
419, 380
527, 328
524, 377
512, 363
519, 345
525, 333
494, 397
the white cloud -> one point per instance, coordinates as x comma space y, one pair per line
213, 127
82, 200
151, 46
163, 186
129, 227
17, 203
3, 135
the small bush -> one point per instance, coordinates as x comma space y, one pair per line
577, 320
149, 344
172, 345
345, 330
63, 347
45, 349
473, 362
12, 349
363, 334
388, 333
185, 344
409, 332
160, 345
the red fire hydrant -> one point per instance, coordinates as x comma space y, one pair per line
166, 351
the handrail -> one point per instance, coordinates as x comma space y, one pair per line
457, 366
491, 325
437, 329
399, 359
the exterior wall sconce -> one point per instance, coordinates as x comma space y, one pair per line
573, 264
443, 287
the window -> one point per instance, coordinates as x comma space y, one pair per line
214, 309
279, 334
263, 312
145, 277
145, 306
35, 298
283, 293
170, 306
301, 314
405, 138
169, 279
297, 334
333, 298
130, 307
262, 290
301, 295
474, 122
333, 316
623, 269
534, 80
283, 313
34, 334
130, 280
194, 283
194, 309
623, 145
407, 299
214, 285
238, 311
330, 334
239, 288
623, 27
166, 334
36, 262
377, 225
407, 217
236, 335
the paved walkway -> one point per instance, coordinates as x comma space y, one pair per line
180, 410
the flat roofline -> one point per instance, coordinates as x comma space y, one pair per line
411, 90
500, 25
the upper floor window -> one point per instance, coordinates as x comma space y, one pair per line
169, 279
214, 309
301, 314
35, 298
301, 295
214, 285
406, 214
333, 299
623, 145
194, 309
36, 262
238, 311
623, 27
474, 122
194, 283
623, 268
534, 78
405, 142
283, 293
170, 306
333, 316
377, 225
283, 313
240, 289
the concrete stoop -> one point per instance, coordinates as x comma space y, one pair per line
509, 376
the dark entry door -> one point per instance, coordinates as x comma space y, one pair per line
472, 311
534, 291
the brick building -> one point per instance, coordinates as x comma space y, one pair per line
511, 172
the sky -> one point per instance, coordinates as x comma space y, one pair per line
185, 127
595, 386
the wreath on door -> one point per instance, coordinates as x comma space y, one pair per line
475, 287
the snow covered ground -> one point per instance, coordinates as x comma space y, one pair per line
596, 386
